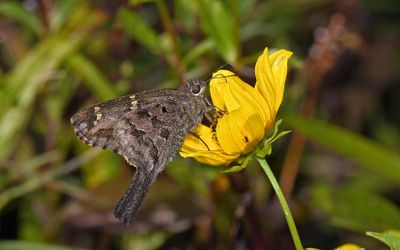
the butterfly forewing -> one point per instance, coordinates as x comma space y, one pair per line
94, 125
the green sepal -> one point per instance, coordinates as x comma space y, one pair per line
244, 161
261, 153
265, 147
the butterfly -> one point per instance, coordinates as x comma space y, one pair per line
147, 129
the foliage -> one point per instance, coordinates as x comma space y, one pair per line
341, 104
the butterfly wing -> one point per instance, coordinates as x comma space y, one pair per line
147, 129
149, 142
95, 125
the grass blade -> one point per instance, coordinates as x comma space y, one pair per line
218, 24
93, 77
364, 152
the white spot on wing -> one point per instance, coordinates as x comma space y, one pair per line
133, 102
98, 115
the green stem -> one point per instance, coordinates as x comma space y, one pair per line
282, 201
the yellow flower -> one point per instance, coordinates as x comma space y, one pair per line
248, 112
349, 246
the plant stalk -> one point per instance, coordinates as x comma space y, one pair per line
282, 201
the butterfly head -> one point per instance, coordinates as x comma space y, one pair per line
195, 87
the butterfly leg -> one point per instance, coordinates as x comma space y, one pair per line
198, 137
212, 119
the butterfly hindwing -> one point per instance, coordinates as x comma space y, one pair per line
148, 142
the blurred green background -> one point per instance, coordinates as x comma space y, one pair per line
339, 168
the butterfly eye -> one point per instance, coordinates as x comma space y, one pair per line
195, 89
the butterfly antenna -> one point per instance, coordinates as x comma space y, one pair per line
219, 75
227, 67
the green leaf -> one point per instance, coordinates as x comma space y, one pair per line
137, 2
37, 181
200, 49
390, 238
21, 87
16, 12
246, 8
24, 83
63, 12
355, 209
366, 153
93, 77
145, 241
140, 31
29, 166
104, 167
23, 245
218, 23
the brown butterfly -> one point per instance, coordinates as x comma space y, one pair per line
147, 129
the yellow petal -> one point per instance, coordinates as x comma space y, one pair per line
247, 112
230, 93
238, 132
271, 73
206, 135
217, 87
279, 61
215, 158
213, 155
